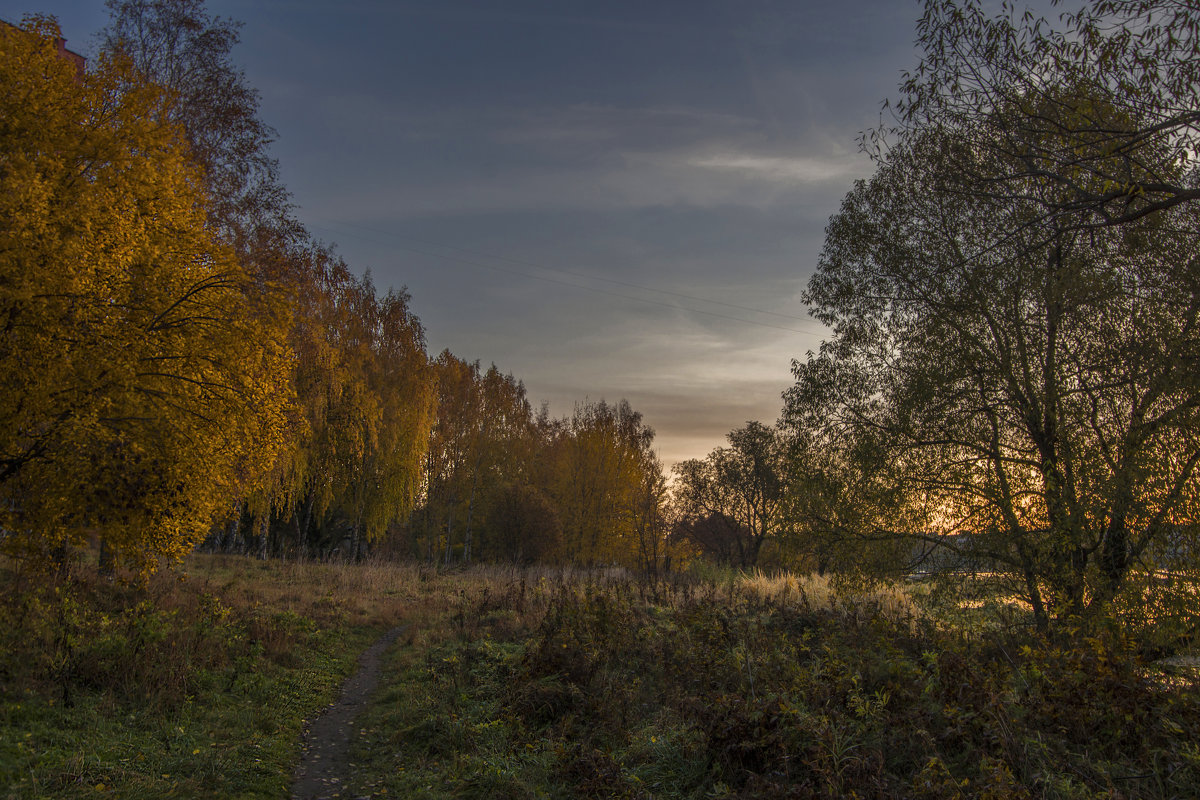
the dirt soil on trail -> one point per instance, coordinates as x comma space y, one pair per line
324, 765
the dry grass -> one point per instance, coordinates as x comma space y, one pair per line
786, 588
376, 594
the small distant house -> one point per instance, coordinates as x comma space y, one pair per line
60, 44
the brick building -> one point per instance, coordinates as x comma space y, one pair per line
60, 44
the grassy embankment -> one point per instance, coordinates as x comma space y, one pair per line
555, 684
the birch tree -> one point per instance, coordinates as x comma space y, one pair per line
144, 387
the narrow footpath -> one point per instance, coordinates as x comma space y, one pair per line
324, 764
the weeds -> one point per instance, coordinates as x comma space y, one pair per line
561, 683
762, 686
184, 686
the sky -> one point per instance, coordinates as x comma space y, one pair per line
606, 199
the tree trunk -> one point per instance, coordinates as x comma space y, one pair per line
264, 529
302, 523
1114, 563
232, 529
467, 533
107, 566
1040, 619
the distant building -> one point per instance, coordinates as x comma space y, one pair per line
60, 44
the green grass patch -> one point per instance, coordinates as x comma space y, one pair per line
176, 688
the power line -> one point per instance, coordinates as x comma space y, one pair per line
583, 276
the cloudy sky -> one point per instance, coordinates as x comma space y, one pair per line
607, 199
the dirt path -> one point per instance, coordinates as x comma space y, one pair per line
324, 764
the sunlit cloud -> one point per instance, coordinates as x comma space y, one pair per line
784, 169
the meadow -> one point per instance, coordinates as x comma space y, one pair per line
560, 683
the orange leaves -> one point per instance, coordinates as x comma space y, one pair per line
145, 389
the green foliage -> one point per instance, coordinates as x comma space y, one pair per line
1002, 384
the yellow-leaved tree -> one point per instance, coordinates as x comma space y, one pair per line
602, 475
144, 386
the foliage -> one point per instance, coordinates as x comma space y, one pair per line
178, 46
1004, 373
351, 467
601, 473
181, 686
145, 388
480, 444
734, 501
505, 484
610, 688
529, 683
523, 527
1100, 113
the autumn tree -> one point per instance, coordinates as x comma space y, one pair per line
598, 459
480, 445
734, 500
504, 447
396, 419
179, 46
359, 381
367, 398
144, 386
650, 517
454, 449
523, 527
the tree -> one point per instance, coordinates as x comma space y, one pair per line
455, 448
741, 489
348, 471
481, 444
1097, 119
597, 462
1029, 384
649, 517
367, 390
144, 387
837, 498
715, 536
180, 47
523, 527
385, 476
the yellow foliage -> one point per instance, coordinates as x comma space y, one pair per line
145, 382
607, 484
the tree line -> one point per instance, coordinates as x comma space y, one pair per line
1010, 383
185, 364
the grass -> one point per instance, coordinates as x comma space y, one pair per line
559, 683
195, 684
759, 687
